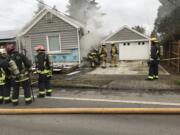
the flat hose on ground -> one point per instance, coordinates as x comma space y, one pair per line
34, 111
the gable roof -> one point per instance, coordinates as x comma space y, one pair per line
58, 14
126, 34
8, 36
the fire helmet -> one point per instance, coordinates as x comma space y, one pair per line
104, 44
10, 47
113, 44
39, 48
153, 39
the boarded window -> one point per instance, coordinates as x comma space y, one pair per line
54, 43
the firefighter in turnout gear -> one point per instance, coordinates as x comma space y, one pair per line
114, 54
93, 58
43, 68
154, 60
103, 55
2, 85
7, 69
24, 67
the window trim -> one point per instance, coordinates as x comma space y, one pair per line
60, 44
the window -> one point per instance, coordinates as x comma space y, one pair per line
141, 43
53, 43
124, 44
128, 44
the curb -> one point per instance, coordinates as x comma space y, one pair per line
109, 88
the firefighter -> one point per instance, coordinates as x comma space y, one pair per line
93, 58
43, 68
154, 60
114, 53
2, 74
2, 84
7, 69
103, 55
24, 67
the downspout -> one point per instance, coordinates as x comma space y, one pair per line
79, 48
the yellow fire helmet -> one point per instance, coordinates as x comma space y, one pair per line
154, 40
103, 44
112, 43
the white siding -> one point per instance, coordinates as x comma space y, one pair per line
134, 51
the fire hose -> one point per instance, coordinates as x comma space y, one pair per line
51, 111
177, 58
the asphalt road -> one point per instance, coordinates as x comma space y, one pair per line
90, 125
72, 98
78, 98
95, 124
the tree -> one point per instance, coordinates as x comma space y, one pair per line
139, 29
41, 5
167, 24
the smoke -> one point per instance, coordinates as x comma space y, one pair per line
88, 12
88, 42
167, 24
167, 7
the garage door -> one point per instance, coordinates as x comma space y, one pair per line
134, 51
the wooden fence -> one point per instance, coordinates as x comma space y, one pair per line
172, 50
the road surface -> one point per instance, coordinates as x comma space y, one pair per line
95, 124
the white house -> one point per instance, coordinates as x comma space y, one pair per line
132, 45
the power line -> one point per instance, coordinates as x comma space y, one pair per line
29, 3
49, 6
12, 19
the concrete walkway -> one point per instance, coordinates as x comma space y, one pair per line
127, 68
132, 82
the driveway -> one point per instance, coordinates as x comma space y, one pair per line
127, 68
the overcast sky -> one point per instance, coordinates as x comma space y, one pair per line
16, 13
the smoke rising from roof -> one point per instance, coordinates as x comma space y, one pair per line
88, 12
